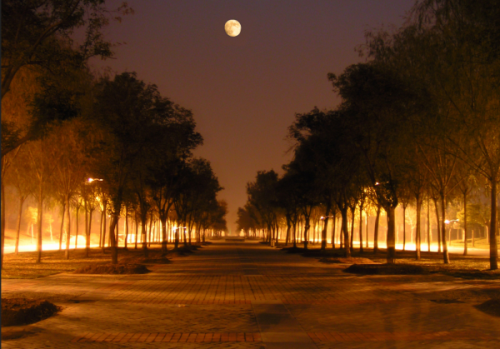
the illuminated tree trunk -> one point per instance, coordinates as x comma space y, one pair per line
446, 257
465, 223
325, 226
391, 230
68, 227
404, 227
493, 228
89, 232
143, 234
428, 225
63, 214
22, 198
353, 211
164, 235
366, 229
76, 220
436, 207
295, 234
334, 220
40, 223
306, 229
361, 227
104, 225
126, 227
150, 228
288, 227
137, 218
418, 236
86, 226
375, 230
345, 233
114, 249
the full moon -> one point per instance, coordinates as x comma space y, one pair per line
233, 28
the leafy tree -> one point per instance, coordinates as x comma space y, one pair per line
379, 104
262, 196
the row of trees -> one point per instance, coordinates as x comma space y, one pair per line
61, 125
418, 121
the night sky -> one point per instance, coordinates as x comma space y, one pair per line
244, 91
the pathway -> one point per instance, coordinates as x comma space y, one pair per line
247, 295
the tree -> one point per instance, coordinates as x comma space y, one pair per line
379, 104
31, 28
262, 196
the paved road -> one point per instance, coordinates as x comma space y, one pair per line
248, 295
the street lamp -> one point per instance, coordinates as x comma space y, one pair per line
90, 180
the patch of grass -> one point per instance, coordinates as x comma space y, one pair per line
24, 266
113, 269
491, 307
351, 260
22, 311
386, 269
293, 249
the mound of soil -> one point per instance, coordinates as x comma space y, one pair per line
491, 307
352, 260
22, 311
155, 261
472, 273
386, 269
293, 249
113, 269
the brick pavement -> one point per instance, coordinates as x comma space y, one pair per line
251, 296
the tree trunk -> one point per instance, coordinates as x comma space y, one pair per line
375, 230
306, 230
366, 229
136, 220
361, 227
418, 236
446, 257
428, 225
391, 235
22, 198
87, 236
295, 234
63, 214
89, 232
104, 225
345, 233
40, 223
493, 228
404, 227
164, 235
353, 211
465, 223
325, 226
126, 227
150, 229
436, 207
68, 227
114, 249
333, 230
2, 213
76, 221
143, 235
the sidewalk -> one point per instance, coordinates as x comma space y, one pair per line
246, 295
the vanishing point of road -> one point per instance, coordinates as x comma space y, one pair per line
248, 295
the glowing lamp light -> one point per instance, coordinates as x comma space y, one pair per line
90, 180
